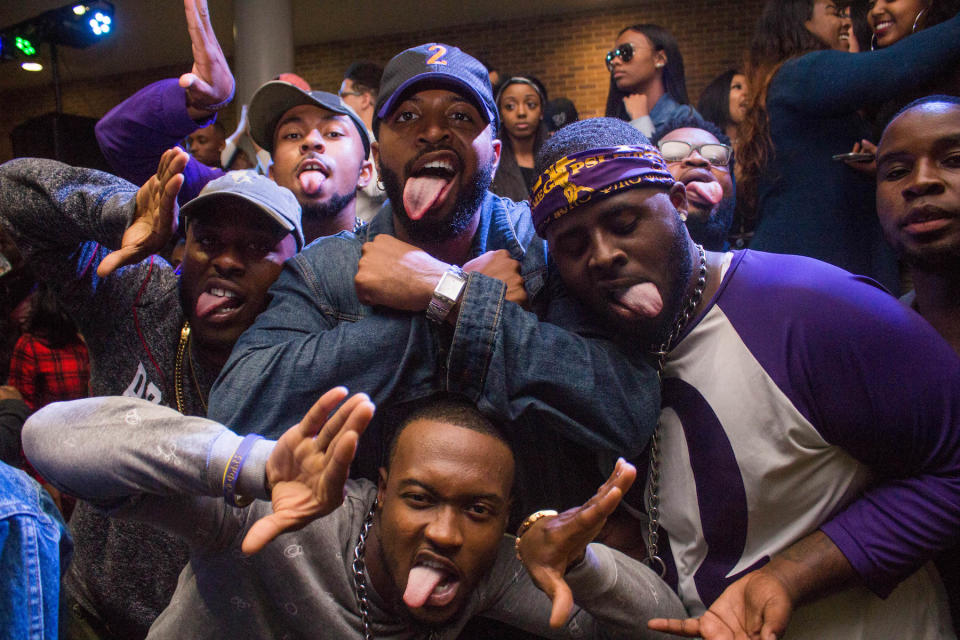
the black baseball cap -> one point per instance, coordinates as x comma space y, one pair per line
275, 98
439, 65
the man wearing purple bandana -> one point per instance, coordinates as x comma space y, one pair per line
805, 467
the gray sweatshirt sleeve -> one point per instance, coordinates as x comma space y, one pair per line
52, 207
614, 597
65, 220
135, 459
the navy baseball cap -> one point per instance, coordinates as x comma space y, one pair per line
276, 202
276, 97
439, 65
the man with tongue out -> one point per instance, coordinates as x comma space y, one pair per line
700, 156
804, 468
153, 333
430, 297
309, 553
318, 144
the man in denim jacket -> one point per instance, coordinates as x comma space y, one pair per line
334, 314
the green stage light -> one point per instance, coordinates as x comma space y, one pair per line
25, 46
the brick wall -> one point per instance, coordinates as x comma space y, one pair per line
565, 52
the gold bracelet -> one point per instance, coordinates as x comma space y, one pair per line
526, 524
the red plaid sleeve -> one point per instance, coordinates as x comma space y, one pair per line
52, 375
23, 369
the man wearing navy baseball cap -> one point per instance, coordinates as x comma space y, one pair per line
431, 296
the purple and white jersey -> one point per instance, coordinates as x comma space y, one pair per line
808, 398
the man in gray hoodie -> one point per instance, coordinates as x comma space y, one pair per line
153, 332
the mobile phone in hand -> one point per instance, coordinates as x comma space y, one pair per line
854, 157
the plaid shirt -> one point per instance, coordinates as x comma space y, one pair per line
44, 375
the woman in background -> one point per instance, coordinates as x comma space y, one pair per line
647, 83
49, 362
724, 101
520, 101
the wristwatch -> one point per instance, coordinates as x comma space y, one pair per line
447, 294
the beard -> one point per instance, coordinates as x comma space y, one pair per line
712, 231
431, 230
327, 209
940, 260
675, 299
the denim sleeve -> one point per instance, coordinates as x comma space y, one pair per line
35, 549
563, 376
135, 133
308, 340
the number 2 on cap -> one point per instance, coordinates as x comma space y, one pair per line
437, 58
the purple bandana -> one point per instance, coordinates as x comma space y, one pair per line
584, 177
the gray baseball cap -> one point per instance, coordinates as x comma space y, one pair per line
275, 98
278, 203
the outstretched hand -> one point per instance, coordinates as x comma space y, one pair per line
553, 545
210, 81
308, 467
155, 220
755, 607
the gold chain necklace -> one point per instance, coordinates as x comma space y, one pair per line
182, 349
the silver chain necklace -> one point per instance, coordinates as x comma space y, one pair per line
653, 475
359, 581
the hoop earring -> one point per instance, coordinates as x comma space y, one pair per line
873, 42
916, 20
380, 184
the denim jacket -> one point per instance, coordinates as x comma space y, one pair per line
316, 334
35, 548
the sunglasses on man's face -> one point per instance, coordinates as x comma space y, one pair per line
677, 151
624, 52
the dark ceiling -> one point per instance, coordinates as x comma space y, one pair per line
152, 33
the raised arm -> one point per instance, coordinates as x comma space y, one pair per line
61, 217
66, 220
135, 133
136, 459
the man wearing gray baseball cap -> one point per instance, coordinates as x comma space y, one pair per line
321, 154
319, 147
153, 332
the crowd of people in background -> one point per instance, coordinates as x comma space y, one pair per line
307, 376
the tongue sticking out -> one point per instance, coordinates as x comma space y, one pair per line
643, 299
310, 181
208, 303
421, 193
709, 192
420, 584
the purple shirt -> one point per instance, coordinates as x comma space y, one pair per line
804, 398
135, 133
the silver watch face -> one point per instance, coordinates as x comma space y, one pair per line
449, 286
